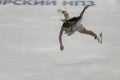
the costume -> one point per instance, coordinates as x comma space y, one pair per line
74, 27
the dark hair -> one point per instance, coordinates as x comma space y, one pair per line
66, 25
70, 22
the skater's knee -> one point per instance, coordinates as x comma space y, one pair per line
84, 31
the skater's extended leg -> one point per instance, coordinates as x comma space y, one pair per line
66, 15
85, 31
64, 12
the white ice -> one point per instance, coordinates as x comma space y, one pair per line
29, 47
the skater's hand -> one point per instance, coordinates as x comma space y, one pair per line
87, 6
61, 47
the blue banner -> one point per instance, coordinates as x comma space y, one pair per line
47, 2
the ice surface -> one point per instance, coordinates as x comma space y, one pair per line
29, 47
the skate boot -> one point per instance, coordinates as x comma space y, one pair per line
99, 38
61, 10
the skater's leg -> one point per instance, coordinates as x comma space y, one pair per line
66, 15
64, 12
89, 32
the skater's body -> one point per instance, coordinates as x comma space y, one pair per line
71, 25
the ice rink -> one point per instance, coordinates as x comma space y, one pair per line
29, 46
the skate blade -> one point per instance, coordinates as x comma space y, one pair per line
101, 36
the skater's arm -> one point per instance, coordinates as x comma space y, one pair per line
60, 39
81, 14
